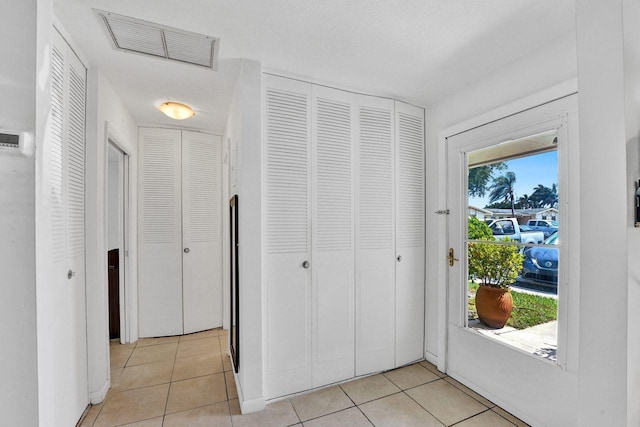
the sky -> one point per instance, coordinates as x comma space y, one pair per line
530, 171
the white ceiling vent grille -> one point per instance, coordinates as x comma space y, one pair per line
135, 35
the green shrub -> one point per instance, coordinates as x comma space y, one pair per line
495, 265
479, 230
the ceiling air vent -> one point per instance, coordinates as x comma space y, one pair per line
135, 35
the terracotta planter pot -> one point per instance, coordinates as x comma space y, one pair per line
494, 306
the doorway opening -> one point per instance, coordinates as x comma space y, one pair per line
116, 209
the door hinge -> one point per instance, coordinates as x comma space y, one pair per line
443, 212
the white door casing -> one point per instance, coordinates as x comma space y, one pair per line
375, 235
410, 233
546, 390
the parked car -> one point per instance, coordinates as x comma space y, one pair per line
548, 227
540, 266
509, 228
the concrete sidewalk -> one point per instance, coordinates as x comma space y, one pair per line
540, 340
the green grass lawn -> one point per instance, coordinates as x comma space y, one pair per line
528, 310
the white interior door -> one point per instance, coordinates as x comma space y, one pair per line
160, 233
375, 236
410, 237
333, 236
68, 360
288, 263
201, 232
537, 390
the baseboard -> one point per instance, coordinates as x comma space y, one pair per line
96, 397
431, 358
248, 406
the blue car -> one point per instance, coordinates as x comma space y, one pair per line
540, 266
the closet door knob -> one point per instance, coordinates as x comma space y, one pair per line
399, 258
305, 264
186, 250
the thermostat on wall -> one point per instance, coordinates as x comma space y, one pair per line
18, 140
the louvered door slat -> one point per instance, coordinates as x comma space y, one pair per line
55, 154
410, 237
75, 163
287, 171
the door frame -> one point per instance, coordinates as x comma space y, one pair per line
128, 298
564, 377
563, 89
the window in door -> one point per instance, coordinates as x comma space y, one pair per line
514, 180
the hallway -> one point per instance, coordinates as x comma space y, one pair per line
187, 381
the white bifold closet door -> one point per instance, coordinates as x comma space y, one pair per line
375, 236
333, 210
201, 232
287, 263
62, 346
179, 242
410, 234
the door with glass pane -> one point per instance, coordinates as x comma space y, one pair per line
501, 177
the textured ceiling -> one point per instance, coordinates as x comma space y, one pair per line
416, 50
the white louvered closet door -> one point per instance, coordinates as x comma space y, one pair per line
333, 236
375, 236
201, 232
159, 233
67, 379
410, 236
287, 133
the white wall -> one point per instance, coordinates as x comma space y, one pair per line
18, 370
551, 65
244, 130
107, 118
631, 26
603, 386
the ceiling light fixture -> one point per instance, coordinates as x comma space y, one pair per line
176, 110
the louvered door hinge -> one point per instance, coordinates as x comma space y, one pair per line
443, 212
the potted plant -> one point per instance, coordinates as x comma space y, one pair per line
496, 266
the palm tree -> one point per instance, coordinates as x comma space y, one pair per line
503, 189
545, 196
524, 202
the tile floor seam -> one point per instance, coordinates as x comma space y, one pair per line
294, 411
365, 415
501, 416
426, 410
493, 405
468, 418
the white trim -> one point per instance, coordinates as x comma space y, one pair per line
97, 397
333, 85
248, 406
128, 297
57, 26
566, 88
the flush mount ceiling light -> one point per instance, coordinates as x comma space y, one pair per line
176, 110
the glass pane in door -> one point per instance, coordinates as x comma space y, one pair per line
512, 241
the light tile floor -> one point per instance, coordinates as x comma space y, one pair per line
187, 381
